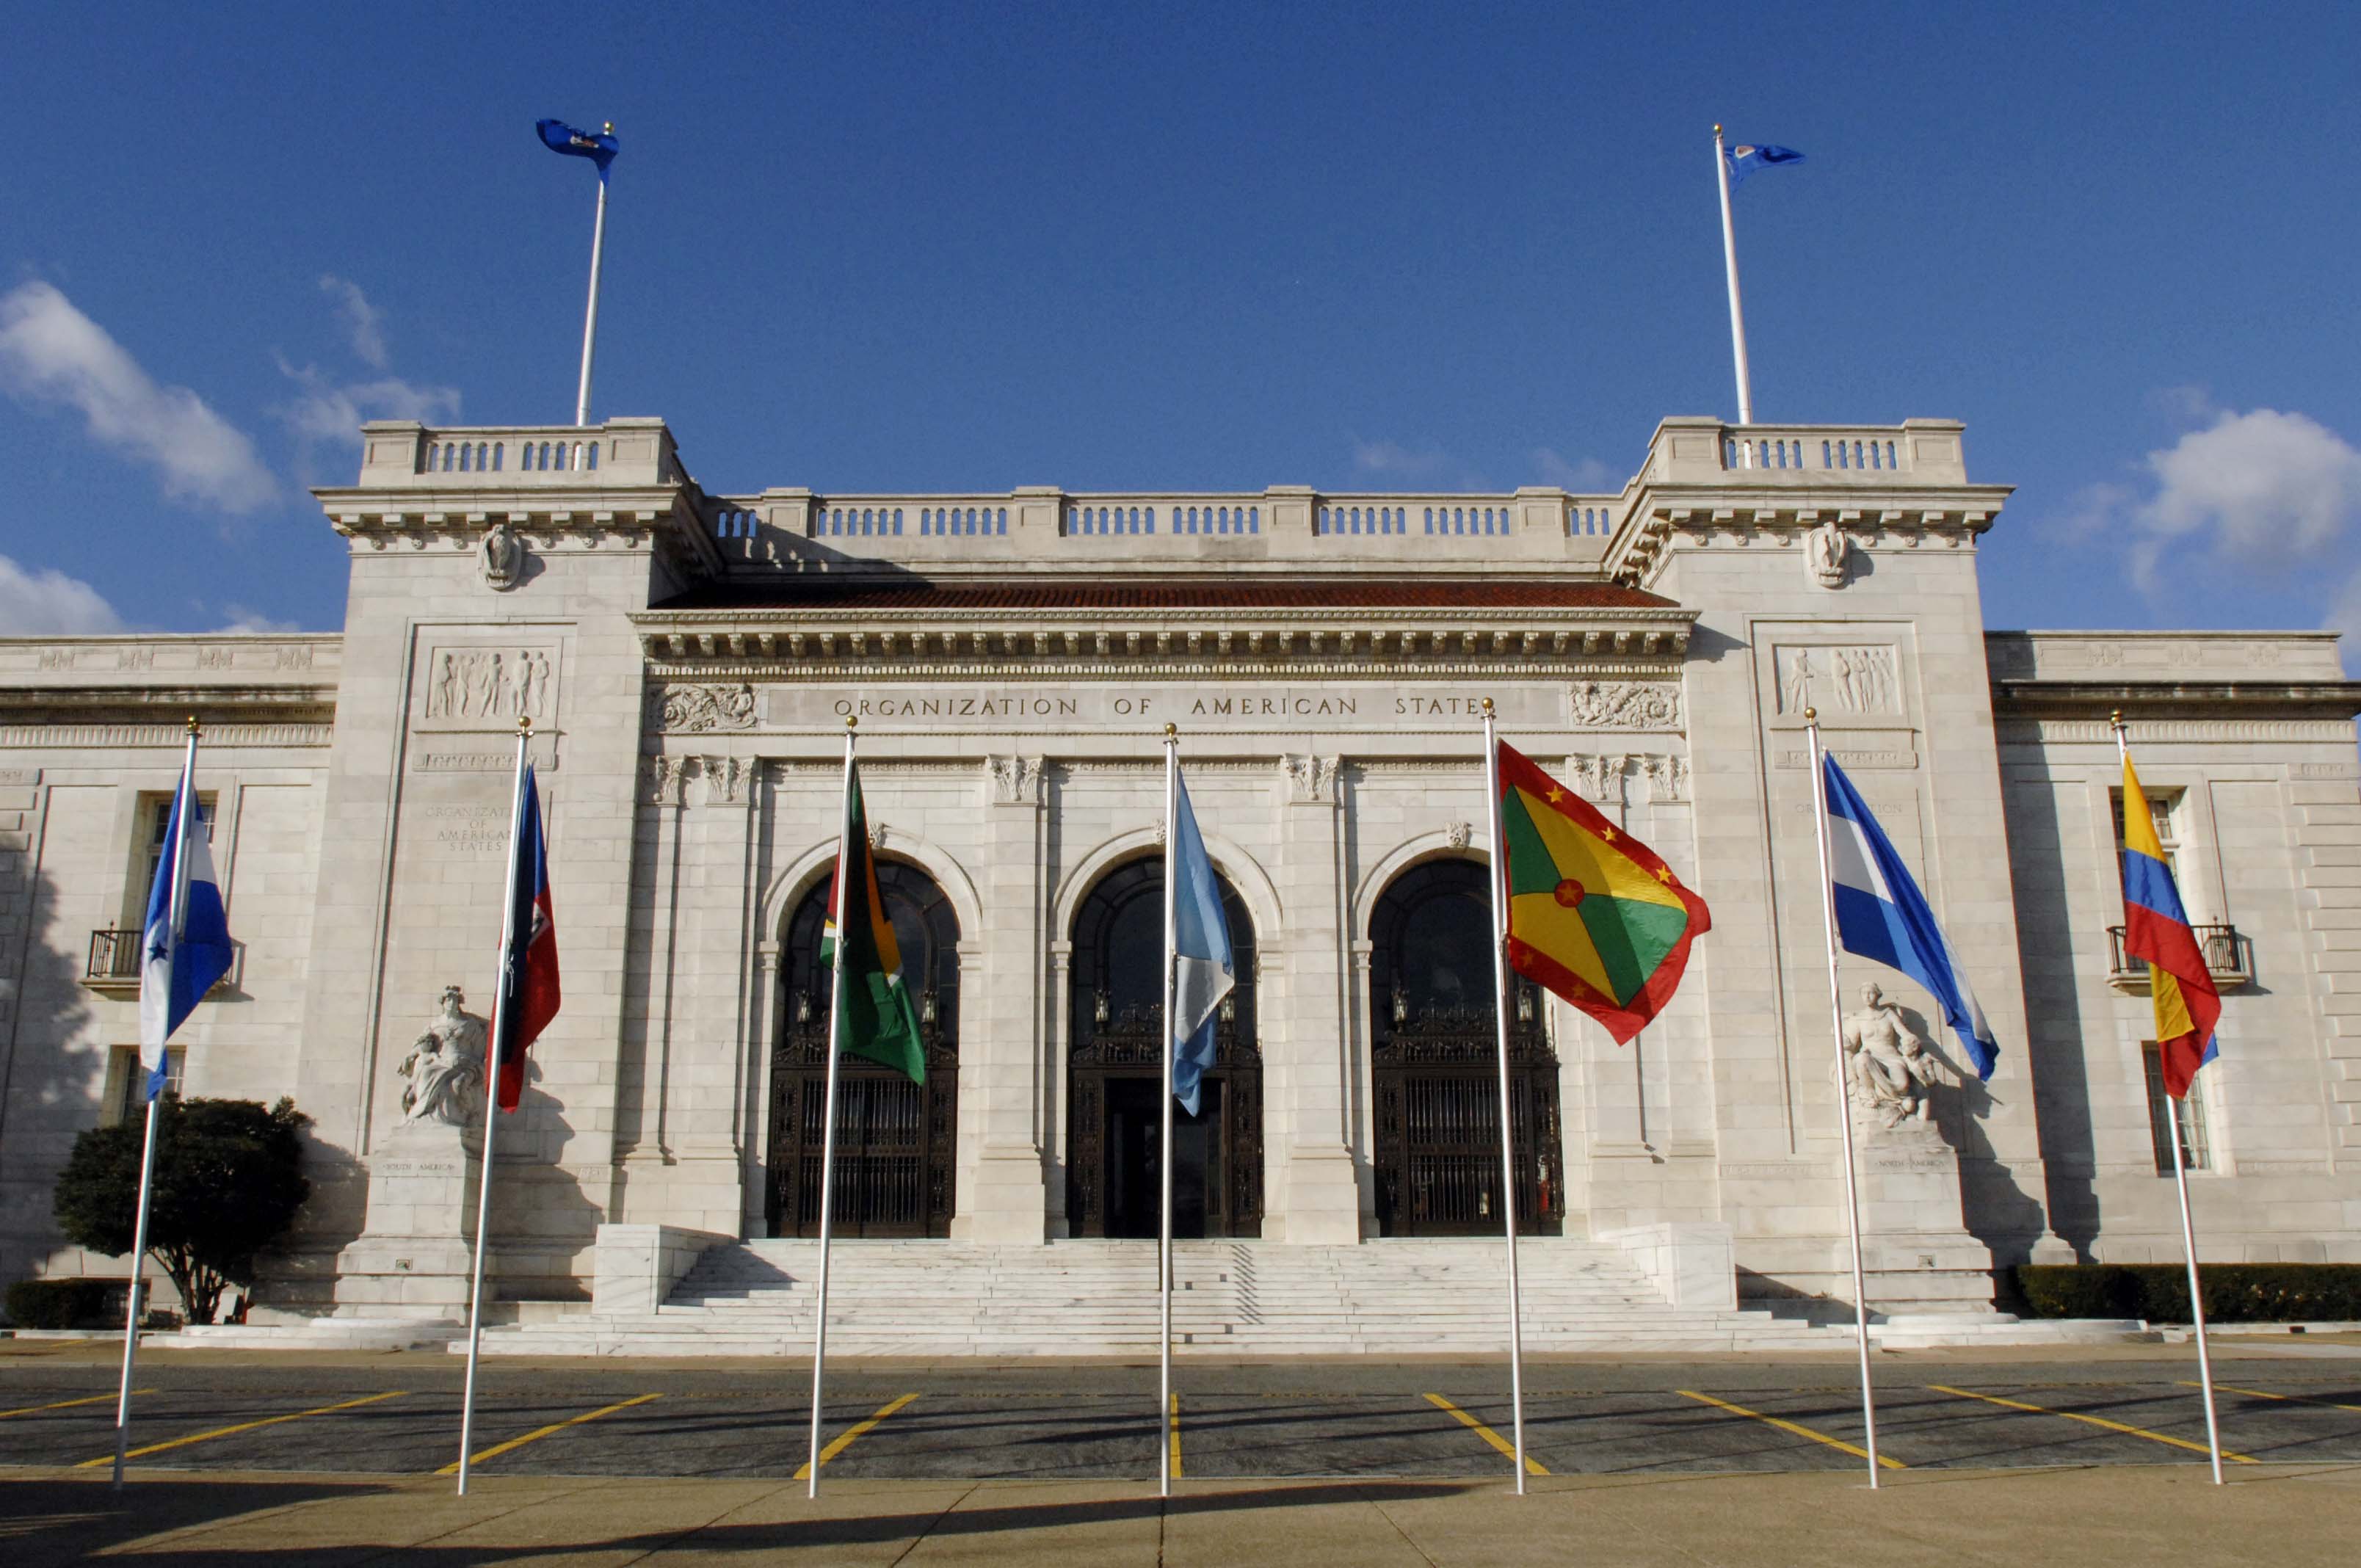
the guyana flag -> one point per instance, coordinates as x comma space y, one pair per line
1594, 914
873, 1016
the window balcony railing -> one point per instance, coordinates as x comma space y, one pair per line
114, 961
2226, 959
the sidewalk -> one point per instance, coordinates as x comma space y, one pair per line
2291, 1515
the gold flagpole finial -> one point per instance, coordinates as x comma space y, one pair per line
194, 729
1716, 130
1488, 707
852, 721
2115, 719
1171, 731
524, 724
1811, 715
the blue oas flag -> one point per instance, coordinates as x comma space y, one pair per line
2155, 928
1202, 969
559, 137
186, 944
1883, 917
528, 994
1745, 160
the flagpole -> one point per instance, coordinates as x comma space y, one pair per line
1730, 262
491, 1106
185, 805
590, 316
827, 1116
1844, 1091
1507, 1137
2188, 1225
1164, 1149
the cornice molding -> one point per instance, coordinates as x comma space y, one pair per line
1704, 517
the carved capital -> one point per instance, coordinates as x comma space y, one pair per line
1013, 781
1309, 778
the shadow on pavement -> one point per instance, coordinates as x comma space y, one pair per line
55, 1521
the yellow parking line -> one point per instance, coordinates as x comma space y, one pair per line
1887, 1460
242, 1426
1175, 1425
1532, 1466
2091, 1421
66, 1404
860, 1429
2257, 1393
500, 1448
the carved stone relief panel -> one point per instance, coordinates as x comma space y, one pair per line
1625, 705
703, 709
490, 685
1309, 778
1861, 679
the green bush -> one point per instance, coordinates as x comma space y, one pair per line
2234, 1293
60, 1303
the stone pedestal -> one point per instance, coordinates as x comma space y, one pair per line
1915, 1253
414, 1258
1324, 1199
1007, 1200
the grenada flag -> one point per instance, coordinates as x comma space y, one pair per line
1594, 914
2155, 928
873, 1016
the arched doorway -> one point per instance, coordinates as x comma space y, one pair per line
895, 1141
1116, 1076
1434, 1061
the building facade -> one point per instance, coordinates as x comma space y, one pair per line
689, 661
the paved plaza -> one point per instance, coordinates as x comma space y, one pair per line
244, 1457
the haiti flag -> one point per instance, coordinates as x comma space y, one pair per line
1594, 914
529, 992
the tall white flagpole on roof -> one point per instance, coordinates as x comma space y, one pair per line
184, 806
491, 1106
2188, 1225
1730, 262
590, 317
1499, 872
1844, 1092
1166, 1422
828, 1120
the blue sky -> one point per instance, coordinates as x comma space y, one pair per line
930, 247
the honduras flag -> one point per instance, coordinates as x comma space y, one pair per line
559, 137
1882, 916
1744, 160
186, 947
1203, 970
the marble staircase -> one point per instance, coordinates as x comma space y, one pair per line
950, 1300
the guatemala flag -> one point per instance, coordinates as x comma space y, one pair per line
559, 137
1202, 970
1745, 160
1882, 916
185, 947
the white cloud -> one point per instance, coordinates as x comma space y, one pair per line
2345, 615
1589, 477
51, 353
243, 620
2272, 487
1391, 457
362, 323
44, 603
325, 410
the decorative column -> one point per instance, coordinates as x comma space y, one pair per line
1004, 1197
1315, 1198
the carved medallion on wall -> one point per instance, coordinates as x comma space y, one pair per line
1625, 705
1828, 551
1863, 680
697, 710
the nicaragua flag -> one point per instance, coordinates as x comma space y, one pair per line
1745, 160
1202, 969
559, 137
2155, 928
1882, 916
529, 992
186, 947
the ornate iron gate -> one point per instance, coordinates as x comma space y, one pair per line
896, 1142
1434, 1067
1114, 1077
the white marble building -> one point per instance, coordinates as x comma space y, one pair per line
688, 660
